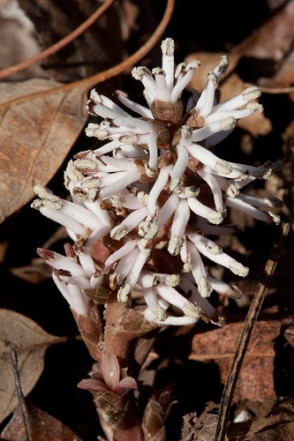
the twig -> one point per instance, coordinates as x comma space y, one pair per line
276, 90
60, 44
251, 317
18, 388
109, 73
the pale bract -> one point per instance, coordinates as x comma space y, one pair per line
152, 193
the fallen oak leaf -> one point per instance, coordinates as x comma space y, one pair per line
35, 273
247, 332
30, 342
256, 381
283, 78
36, 134
42, 427
278, 425
200, 428
274, 39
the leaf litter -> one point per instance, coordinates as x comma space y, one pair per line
31, 342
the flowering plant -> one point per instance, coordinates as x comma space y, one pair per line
141, 207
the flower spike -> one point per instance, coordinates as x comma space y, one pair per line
146, 198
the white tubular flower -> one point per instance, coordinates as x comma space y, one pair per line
148, 196
77, 300
72, 275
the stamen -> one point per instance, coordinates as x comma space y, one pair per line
209, 159
222, 67
189, 287
135, 107
180, 221
60, 262
129, 223
174, 245
191, 310
202, 242
167, 210
223, 288
163, 90
120, 253
212, 128
222, 259
168, 47
120, 184
206, 100
62, 219
124, 293
73, 295
184, 80
247, 208
157, 188
148, 280
202, 210
199, 272
173, 280
215, 188
149, 228
181, 163
134, 275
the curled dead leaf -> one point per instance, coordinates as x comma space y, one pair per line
274, 39
42, 427
284, 75
200, 428
36, 133
30, 342
37, 272
277, 425
256, 381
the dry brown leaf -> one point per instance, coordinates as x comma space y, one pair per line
274, 39
18, 41
3, 3
42, 427
88, 54
284, 77
256, 377
200, 428
3, 249
37, 272
129, 17
289, 335
36, 133
278, 425
30, 342
288, 169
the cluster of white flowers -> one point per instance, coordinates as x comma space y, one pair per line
144, 193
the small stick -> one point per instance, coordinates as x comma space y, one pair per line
251, 317
18, 388
276, 90
59, 45
108, 73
